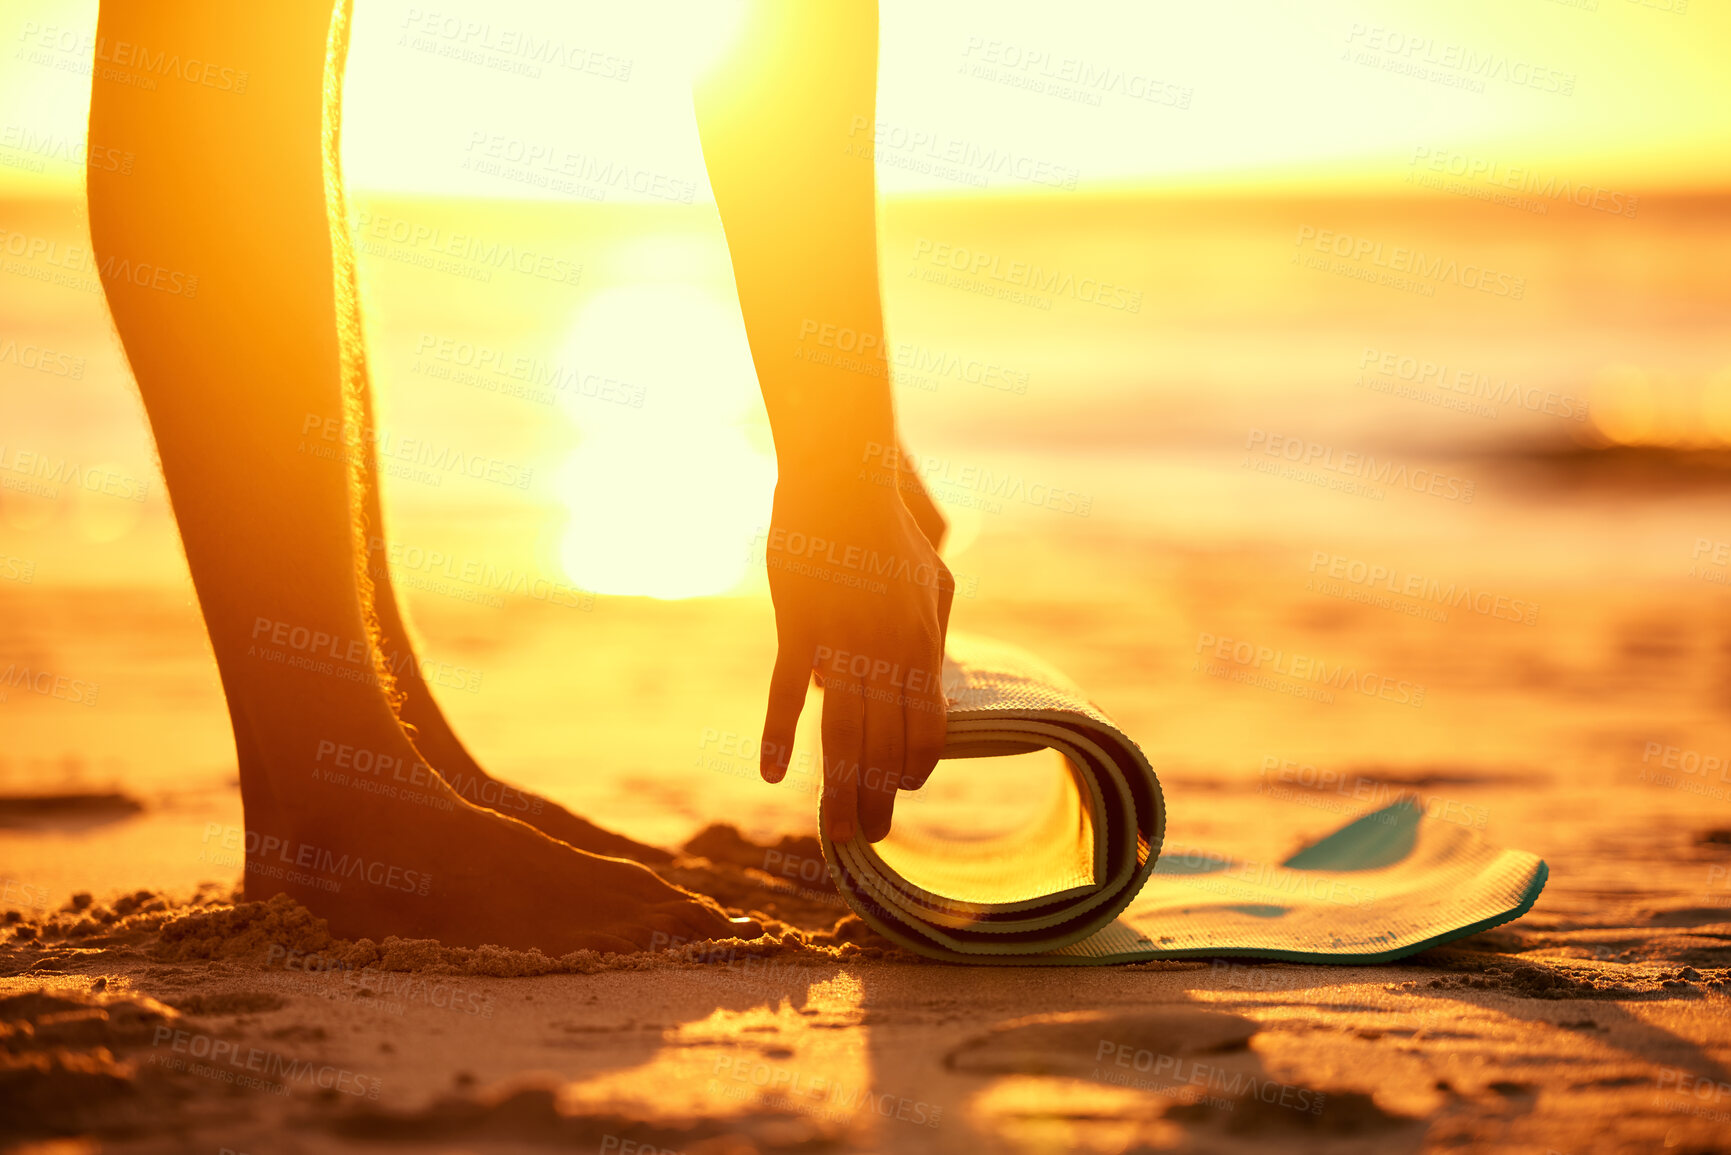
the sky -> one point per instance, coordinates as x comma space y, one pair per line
1108, 95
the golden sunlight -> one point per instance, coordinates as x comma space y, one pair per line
1231, 653
665, 494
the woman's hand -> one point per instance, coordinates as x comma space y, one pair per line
862, 601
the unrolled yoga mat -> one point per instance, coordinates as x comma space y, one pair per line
1087, 884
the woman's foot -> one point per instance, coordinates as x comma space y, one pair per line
439, 746
376, 858
479, 788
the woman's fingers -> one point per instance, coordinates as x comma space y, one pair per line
946, 596
924, 708
926, 728
787, 686
843, 737
881, 769
884, 711
876, 809
882, 773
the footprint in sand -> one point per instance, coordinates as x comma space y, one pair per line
1146, 1072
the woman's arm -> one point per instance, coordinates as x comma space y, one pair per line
861, 597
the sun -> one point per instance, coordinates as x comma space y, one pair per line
664, 497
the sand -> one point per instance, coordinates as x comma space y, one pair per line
157, 1023
1595, 735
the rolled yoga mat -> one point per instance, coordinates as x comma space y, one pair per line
1085, 884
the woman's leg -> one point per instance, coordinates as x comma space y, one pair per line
432, 732
221, 273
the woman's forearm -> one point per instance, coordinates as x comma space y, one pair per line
793, 175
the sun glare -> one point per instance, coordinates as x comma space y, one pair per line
664, 497
707, 30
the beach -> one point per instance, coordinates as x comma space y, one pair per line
1193, 452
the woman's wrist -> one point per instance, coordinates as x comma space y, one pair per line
852, 472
